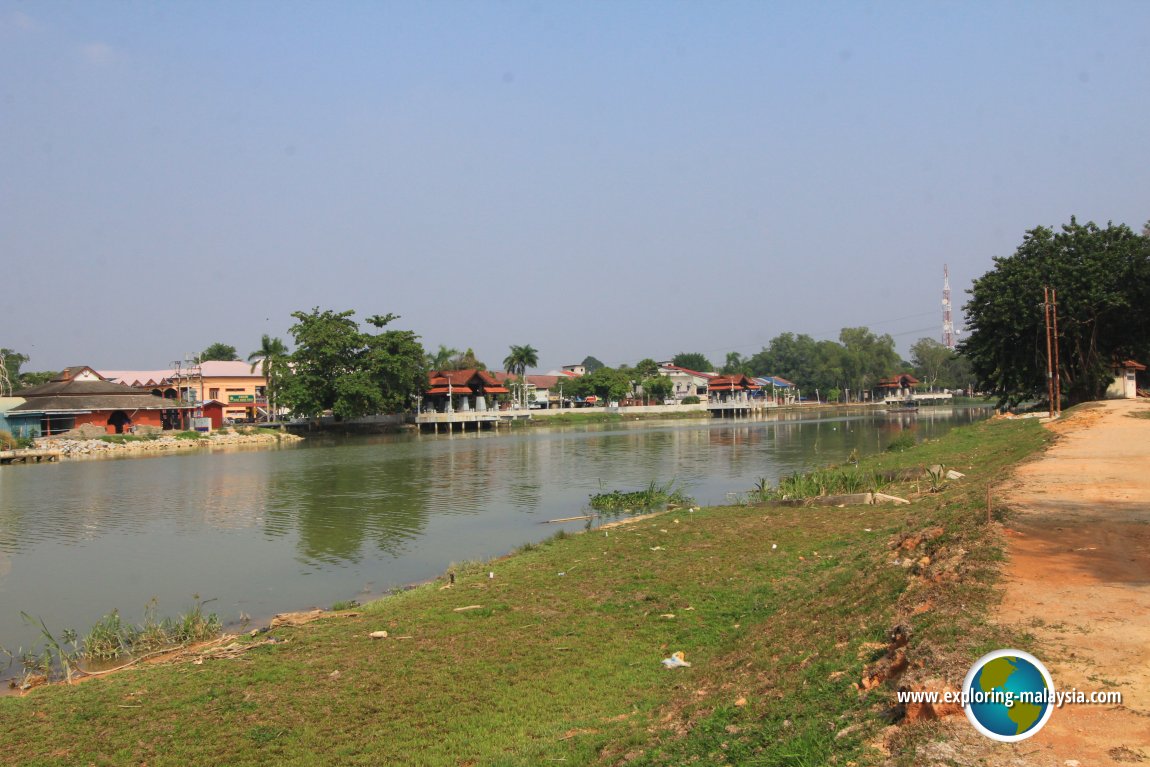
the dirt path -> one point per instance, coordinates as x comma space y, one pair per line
1078, 577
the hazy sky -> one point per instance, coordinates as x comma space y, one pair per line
617, 179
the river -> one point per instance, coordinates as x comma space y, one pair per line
256, 532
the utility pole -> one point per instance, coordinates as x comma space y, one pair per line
1049, 357
1057, 368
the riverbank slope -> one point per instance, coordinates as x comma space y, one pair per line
797, 622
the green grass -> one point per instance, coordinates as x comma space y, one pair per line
776, 608
828, 481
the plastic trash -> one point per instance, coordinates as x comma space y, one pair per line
677, 660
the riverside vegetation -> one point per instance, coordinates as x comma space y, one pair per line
553, 654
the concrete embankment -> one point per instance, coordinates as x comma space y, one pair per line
99, 448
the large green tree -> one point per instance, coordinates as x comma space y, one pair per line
930, 359
693, 361
657, 388
1102, 280
736, 364
866, 357
338, 367
646, 367
219, 352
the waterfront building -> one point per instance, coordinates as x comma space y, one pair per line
688, 383
233, 391
80, 396
461, 390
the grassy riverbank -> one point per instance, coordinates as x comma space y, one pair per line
780, 611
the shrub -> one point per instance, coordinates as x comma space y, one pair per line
691, 400
903, 441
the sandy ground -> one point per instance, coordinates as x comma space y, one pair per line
1078, 577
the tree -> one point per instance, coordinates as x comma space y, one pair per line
337, 367
692, 361
467, 361
517, 362
609, 384
1102, 280
219, 352
268, 358
443, 359
592, 364
31, 378
646, 368
930, 360
520, 358
10, 378
658, 387
736, 364
866, 357
799, 359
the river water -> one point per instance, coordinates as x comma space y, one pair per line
263, 531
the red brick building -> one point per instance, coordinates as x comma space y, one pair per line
79, 396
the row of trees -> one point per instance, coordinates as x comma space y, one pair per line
1101, 275
853, 363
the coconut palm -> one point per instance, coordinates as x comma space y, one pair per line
517, 362
272, 351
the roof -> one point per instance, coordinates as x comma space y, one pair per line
456, 381
74, 390
738, 381
73, 403
210, 369
896, 381
139, 377
1131, 364
7, 403
778, 383
688, 371
545, 382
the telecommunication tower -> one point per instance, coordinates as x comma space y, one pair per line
947, 319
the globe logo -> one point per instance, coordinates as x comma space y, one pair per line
1009, 695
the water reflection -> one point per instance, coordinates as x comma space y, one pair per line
276, 530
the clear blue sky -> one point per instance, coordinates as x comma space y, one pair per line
617, 179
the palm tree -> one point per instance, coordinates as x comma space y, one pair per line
517, 362
271, 351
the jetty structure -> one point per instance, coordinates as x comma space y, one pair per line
459, 399
28, 455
